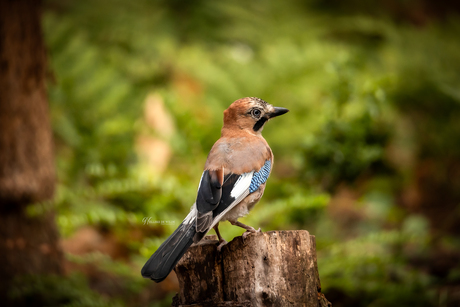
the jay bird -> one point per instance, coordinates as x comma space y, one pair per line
233, 181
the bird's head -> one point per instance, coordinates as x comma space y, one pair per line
251, 114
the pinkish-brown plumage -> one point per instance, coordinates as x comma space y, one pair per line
240, 149
233, 181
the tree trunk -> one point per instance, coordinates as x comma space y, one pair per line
275, 268
28, 245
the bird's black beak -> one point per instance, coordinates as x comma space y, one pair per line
278, 111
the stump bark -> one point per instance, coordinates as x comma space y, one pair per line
275, 268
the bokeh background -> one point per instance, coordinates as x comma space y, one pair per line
367, 160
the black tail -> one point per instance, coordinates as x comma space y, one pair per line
169, 253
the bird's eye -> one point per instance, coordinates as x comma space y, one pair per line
256, 113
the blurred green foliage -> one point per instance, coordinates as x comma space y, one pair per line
56, 291
368, 99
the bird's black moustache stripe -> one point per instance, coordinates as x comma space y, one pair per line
259, 123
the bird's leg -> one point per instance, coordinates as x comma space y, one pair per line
249, 229
222, 241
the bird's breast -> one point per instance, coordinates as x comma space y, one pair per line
239, 155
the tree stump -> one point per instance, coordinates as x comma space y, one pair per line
275, 268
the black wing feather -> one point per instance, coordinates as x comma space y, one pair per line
226, 199
212, 199
209, 194
208, 198
169, 253
204, 220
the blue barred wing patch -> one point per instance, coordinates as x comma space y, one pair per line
260, 177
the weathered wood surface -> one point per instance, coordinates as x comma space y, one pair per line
275, 268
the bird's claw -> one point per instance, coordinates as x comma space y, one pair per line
221, 244
249, 231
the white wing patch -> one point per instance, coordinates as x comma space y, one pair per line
243, 183
199, 185
239, 192
190, 218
